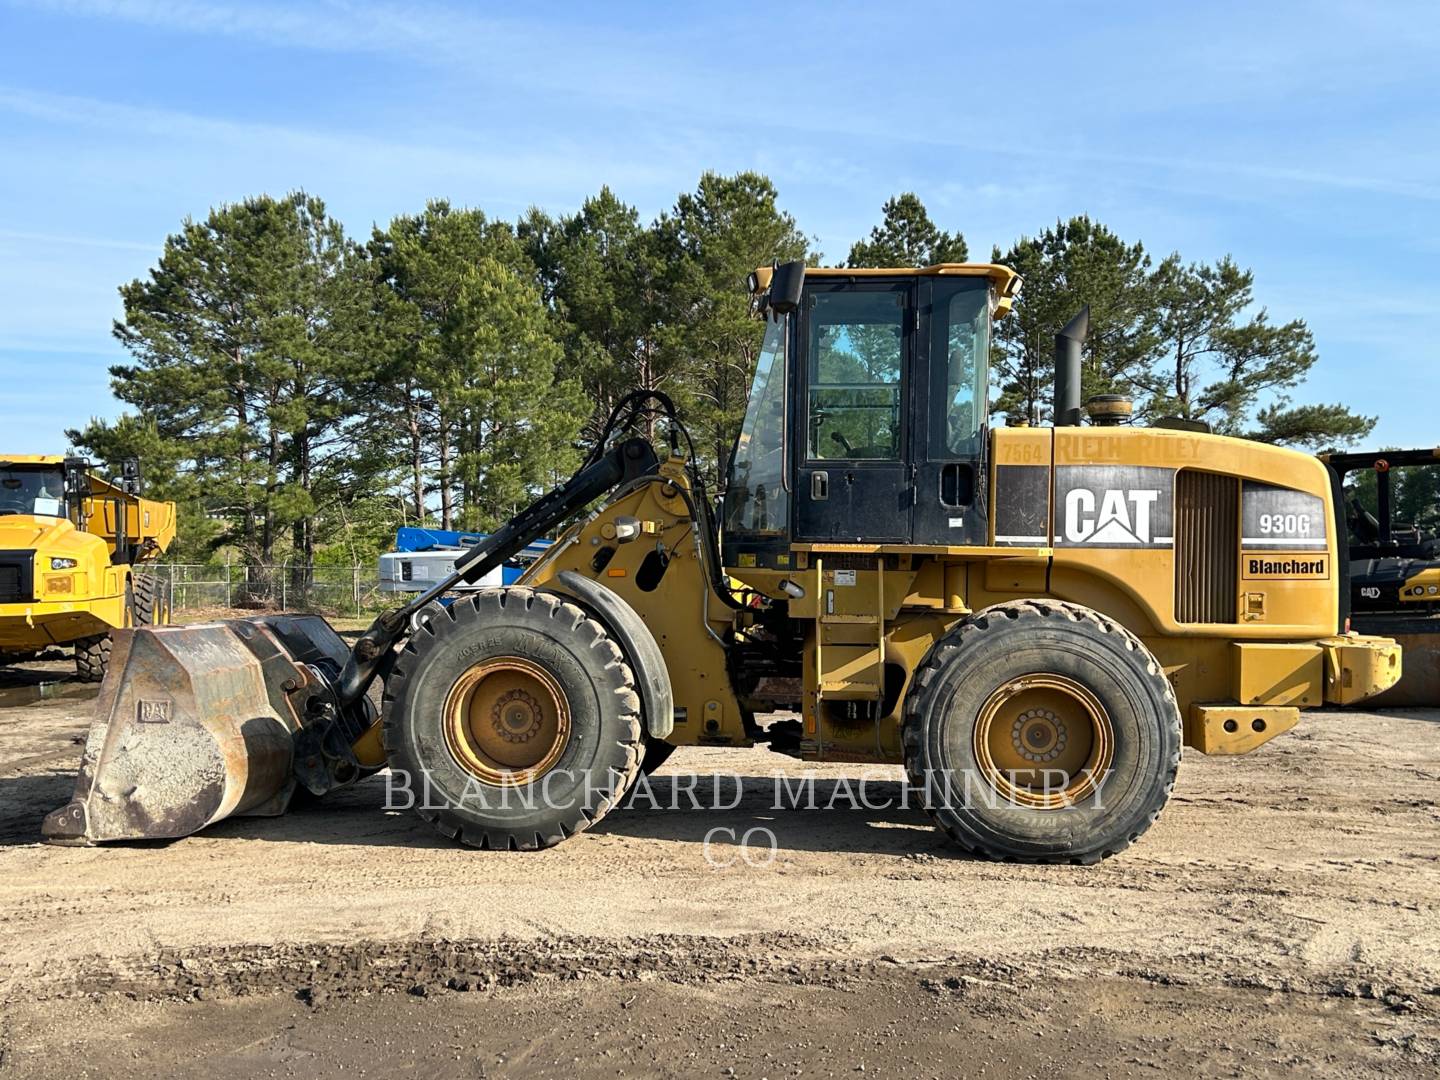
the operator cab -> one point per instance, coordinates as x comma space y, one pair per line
868, 413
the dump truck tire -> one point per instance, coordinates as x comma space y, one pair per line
142, 599
1042, 731
513, 718
92, 657
92, 654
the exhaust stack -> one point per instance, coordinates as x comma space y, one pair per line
1067, 369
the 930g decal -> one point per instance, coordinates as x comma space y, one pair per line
1280, 519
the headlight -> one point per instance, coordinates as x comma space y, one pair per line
63, 564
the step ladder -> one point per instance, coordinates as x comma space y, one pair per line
858, 671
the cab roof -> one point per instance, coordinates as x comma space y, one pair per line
1005, 281
31, 459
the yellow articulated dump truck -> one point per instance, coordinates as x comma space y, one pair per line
1032, 621
73, 549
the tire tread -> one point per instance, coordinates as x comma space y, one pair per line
587, 633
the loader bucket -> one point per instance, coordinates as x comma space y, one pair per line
195, 724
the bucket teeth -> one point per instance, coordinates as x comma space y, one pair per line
195, 724
66, 825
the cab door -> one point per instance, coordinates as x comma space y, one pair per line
949, 411
853, 483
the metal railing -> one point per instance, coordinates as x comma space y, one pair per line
329, 590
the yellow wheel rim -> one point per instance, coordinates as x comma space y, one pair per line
506, 721
1044, 741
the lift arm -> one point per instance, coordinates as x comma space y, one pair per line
623, 462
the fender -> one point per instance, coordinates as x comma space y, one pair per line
652, 677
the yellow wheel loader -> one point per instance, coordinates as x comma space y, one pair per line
1032, 621
73, 555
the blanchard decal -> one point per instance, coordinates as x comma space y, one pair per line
1022, 505
1287, 565
1280, 518
1108, 506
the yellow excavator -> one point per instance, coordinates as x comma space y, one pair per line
74, 550
1032, 621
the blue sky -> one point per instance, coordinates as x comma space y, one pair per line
1303, 139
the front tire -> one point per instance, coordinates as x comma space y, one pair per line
1042, 732
514, 717
92, 654
92, 657
657, 752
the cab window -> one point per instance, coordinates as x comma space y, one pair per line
855, 351
756, 500
39, 491
959, 385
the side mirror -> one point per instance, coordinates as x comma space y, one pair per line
77, 477
786, 284
130, 476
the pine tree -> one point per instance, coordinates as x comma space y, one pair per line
518, 416
1216, 364
713, 238
420, 260
472, 369
1077, 262
907, 237
293, 390
605, 278
244, 336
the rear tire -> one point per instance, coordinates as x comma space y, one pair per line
142, 600
1046, 731
514, 718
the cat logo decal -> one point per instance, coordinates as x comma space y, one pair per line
1110, 517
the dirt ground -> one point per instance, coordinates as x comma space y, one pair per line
1280, 919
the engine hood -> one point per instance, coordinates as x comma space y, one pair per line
49, 535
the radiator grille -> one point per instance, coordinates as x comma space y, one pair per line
1207, 546
14, 582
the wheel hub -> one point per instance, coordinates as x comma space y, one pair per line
516, 716
1039, 735
1044, 741
507, 721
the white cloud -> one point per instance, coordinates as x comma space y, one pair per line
252, 149
51, 239
673, 74
331, 27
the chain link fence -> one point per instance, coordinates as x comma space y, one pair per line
326, 590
